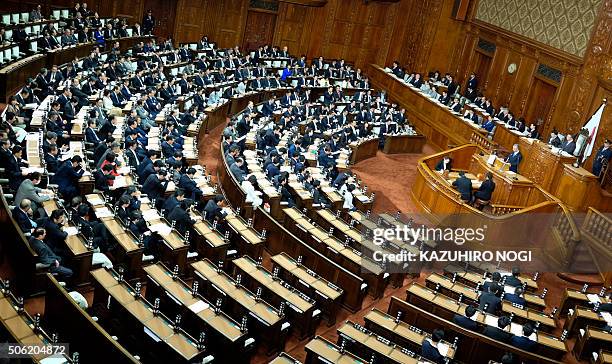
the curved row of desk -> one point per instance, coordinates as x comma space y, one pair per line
15, 75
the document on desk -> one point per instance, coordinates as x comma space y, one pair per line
593, 298
608, 317
103, 212
198, 307
71, 230
161, 229
151, 214
120, 181
491, 320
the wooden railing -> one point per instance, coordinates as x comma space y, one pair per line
504, 209
483, 141
596, 236
599, 226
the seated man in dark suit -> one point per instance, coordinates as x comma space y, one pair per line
189, 185
179, 214
568, 145
464, 186
486, 189
445, 164
429, 349
67, 177
514, 280
155, 187
524, 342
174, 200
47, 256
498, 333
516, 297
55, 236
21, 215
213, 209
466, 321
490, 300
495, 278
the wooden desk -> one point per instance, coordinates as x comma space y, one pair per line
363, 149
347, 257
301, 310
320, 350
75, 326
14, 76
446, 308
223, 334
240, 102
284, 358
178, 346
325, 293
476, 348
217, 115
592, 340
441, 126
370, 344
572, 297
399, 332
400, 144
268, 323
128, 250
541, 165
18, 327
246, 238
581, 317
577, 188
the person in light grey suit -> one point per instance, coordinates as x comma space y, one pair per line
28, 190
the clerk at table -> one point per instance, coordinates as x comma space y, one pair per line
464, 186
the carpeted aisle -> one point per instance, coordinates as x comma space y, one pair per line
390, 177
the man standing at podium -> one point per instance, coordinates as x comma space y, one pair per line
514, 158
602, 157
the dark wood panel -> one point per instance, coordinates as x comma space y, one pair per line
259, 30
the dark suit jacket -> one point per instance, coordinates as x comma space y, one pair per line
493, 301
440, 165
464, 186
568, 147
55, 235
66, 176
190, 187
22, 219
514, 160
523, 342
513, 281
213, 211
183, 221
428, 351
486, 189
465, 322
497, 334
153, 187
44, 252
510, 297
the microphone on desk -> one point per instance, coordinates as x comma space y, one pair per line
243, 324
137, 290
194, 288
175, 272
156, 306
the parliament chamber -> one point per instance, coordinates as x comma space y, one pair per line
306, 181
